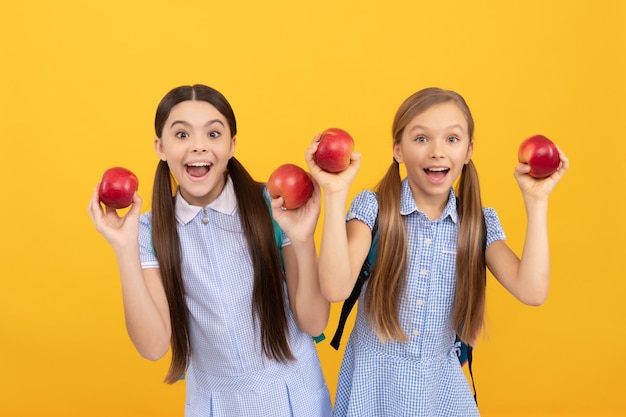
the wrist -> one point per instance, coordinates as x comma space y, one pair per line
532, 203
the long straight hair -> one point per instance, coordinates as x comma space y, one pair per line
388, 277
268, 298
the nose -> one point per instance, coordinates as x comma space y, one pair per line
436, 150
199, 145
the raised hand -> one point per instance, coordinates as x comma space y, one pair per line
300, 223
332, 182
118, 230
539, 189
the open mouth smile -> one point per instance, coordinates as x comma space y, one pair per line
198, 169
436, 174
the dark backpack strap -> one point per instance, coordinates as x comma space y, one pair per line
349, 303
464, 352
469, 367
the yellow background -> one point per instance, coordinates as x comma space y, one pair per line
79, 84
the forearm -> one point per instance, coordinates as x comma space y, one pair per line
310, 308
534, 269
147, 327
336, 278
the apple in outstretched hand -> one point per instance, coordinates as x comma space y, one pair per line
541, 154
292, 183
117, 187
334, 150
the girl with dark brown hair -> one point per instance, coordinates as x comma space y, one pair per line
428, 281
201, 272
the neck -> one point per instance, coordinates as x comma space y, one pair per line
430, 205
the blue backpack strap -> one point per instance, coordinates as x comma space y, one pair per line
278, 237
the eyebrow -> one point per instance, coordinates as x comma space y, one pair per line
209, 123
418, 126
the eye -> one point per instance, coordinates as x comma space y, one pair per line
214, 134
421, 139
453, 139
181, 134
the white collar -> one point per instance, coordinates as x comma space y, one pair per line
225, 203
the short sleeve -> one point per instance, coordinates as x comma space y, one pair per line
364, 207
146, 249
494, 228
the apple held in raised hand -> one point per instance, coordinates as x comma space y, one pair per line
292, 183
334, 150
541, 154
117, 187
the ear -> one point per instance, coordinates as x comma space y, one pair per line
233, 145
470, 151
158, 148
397, 153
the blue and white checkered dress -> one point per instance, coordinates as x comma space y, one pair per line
421, 377
228, 375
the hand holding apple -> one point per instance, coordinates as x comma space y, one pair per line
541, 154
334, 150
292, 183
117, 187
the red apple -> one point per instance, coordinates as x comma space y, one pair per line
334, 150
292, 183
117, 187
541, 154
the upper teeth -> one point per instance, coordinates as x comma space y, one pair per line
437, 169
199, 164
